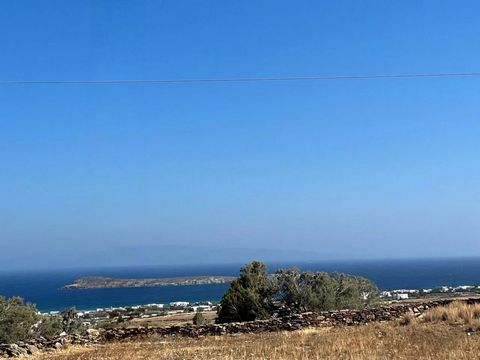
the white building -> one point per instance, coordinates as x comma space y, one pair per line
400, 296
385, 294
179, 304
200, 308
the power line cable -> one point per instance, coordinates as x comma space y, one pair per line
233, 80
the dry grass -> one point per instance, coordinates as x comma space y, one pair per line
457, 313
441, 333
171, 320
374, 341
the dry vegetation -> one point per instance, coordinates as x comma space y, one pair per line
171, 320
441, 333
457, 313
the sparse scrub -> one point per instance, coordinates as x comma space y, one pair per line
407, 319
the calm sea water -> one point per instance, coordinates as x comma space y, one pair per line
44, 287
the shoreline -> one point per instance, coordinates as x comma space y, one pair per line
386, 295
133, 306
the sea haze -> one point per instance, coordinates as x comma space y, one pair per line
44, 288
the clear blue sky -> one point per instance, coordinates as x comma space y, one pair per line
149, 174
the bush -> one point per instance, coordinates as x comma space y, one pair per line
354, 292
71, 324
198, 319
48, 327
17, 320
20, 321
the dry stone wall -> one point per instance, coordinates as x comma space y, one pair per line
287, 323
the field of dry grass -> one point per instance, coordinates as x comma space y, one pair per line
434, 336
171, 320
457, 313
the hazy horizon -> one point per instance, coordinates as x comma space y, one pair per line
98, 269
185, 173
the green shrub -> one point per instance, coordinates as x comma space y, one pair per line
17, 320
20, 321
71, 324
198, 319
48, 327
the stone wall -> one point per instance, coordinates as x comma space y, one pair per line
287, 323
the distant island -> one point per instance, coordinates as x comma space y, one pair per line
102, 282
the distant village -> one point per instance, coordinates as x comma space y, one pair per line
127, 313
404, 294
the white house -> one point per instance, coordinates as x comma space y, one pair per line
400, 296
179, 304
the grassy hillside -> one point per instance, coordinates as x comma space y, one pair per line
442, 333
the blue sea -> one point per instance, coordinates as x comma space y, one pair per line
44, 288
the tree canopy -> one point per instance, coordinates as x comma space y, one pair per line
256, 295
249, 296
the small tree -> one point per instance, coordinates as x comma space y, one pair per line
249, 296
354, 292
70, 322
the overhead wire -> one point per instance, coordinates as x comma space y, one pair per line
237, 79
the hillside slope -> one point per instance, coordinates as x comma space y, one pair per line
374, 341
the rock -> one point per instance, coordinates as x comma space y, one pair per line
32, 349
15, 350
93, 332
